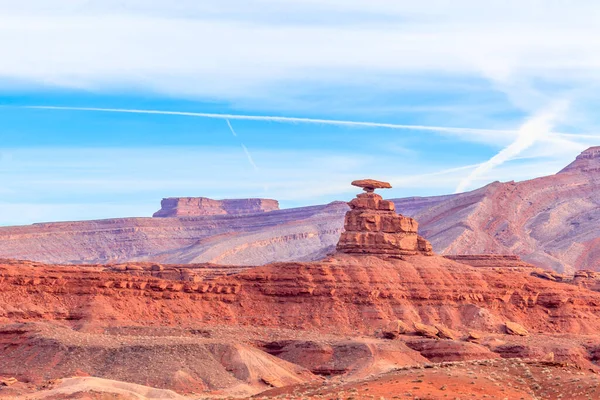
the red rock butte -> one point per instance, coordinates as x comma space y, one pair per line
372, 226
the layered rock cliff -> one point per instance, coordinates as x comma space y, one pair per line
197, 206
292, 234
362, 312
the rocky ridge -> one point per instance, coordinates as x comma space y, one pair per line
549, 221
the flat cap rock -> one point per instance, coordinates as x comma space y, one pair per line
370, 185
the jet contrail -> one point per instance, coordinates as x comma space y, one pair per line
296, 120
230, 127
248, 155
521, 143
533, 129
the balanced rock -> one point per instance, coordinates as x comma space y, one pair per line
369, 185
372, 226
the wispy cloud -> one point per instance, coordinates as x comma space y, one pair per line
149, 44
344, 63
531, 131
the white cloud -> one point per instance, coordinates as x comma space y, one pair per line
267, 53
235, 48
534, 129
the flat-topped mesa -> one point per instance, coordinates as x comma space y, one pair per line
200, 206
372, 226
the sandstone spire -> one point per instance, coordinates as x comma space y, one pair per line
372, 226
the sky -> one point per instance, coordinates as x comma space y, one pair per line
108, 106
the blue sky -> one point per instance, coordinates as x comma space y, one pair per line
496, 91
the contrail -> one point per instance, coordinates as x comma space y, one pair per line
533, 129
230, 127
250, 160
248, 155
296, 120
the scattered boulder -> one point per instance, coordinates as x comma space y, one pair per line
445, 333
512, 328
474, 337
272, 380
394, 329
550, 275
8, 381
425, 330
549, 357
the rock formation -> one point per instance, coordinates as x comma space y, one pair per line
381, 307
372, 226
551, 222
323, 317
381, 303
587, 161
305, 233
369, 185
197, 206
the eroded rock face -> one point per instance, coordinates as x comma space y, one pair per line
372, 226
587, 161
550, 221
197, 206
